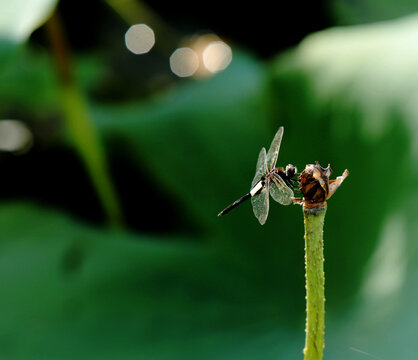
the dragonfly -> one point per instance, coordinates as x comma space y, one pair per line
268, 180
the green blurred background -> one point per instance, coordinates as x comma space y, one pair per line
113, 170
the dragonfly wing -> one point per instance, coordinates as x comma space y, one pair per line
260, 204
280, 192
274, 149
261, 168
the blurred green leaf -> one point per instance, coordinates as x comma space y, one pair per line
28, 84
351, 96
71, 291
357, 12
64, 283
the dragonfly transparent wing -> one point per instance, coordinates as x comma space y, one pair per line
274, 149
261, 168
280, 192
260, 204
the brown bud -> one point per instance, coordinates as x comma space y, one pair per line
315, 185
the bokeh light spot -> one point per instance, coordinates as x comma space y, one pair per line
184, 62
217, 56
15, 136
139, 39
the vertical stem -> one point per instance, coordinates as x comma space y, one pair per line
87, 143
80, 125
315, 281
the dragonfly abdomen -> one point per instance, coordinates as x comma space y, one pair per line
235, 204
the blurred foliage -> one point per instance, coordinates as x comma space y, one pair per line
348, 12
224, 287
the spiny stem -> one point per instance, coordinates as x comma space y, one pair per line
315, 281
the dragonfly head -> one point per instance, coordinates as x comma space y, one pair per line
291, 170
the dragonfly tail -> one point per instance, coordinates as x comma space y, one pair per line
235, 204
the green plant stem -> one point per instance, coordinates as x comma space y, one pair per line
89, 147
315, 282
80, 126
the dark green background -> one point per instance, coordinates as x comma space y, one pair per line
177, 282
